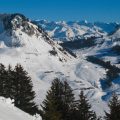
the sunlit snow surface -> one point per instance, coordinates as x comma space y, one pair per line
9, 112
43, 68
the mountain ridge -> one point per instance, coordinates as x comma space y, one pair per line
67, 31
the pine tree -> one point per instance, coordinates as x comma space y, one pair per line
114, 105
110, 76
9, 83
59, 100
68, 101
84, 111
22, 90
51, 108
2, 80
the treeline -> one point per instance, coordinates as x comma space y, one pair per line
16, 84
112, 72
106, 65
60, 104
79, 43
116, 49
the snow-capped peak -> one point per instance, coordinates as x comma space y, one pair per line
19, 31
116, 33
83, 29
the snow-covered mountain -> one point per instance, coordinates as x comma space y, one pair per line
66, 31
21, 41
115, 34
24, 41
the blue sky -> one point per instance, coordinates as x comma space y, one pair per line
91, 10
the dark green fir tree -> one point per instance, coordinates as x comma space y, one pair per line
114, 106
9, 83
59, 102
3, 78
68, 102
23, 91
84, 111
51, 108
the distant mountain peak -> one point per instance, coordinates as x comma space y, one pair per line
66, 31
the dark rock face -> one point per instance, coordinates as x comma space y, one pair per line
17, 21
8, 18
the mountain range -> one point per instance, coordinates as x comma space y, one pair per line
67, 31
79, 52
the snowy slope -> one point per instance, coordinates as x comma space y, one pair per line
116, 34
9, 112
38, 53
21, 41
